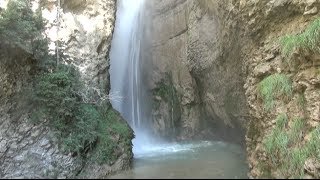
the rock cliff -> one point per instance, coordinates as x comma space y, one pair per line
197, 55
210, 62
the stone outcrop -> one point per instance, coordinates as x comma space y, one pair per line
83, 32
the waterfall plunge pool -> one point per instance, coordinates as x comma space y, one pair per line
204, 159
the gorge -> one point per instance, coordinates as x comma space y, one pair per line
159, 89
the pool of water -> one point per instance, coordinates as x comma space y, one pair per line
203, 159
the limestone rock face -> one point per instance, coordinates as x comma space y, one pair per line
188, 45
82, 31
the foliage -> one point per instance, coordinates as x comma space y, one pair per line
19, 24
108, 148
83, 132
273, 86
168, 94
80, 126
21, 27
307, 40
281, 121
286, 149
56, 94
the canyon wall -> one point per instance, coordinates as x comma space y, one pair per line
209, 61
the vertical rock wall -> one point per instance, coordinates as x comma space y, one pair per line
197, 55
214, 54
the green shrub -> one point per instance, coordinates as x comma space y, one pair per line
308, 40
164, 91
297, 158
55, 94
18, 24
84, 132
274, 86
80, 126
21, 27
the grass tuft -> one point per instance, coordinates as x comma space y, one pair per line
274, 86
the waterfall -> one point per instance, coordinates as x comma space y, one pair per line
125, 60
125, 67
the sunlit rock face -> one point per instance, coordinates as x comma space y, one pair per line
83, 33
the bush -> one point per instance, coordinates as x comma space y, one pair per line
274, 86
56, 95
80, 126
313, 146
19, 25
21, 28
82, 135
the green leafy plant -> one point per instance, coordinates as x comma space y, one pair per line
274, 86
21, 28
108, 148
18, 24
56, 94
80, 126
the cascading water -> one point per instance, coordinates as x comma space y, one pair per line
125, 69
125, 56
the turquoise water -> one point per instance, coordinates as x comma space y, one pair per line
203, 159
